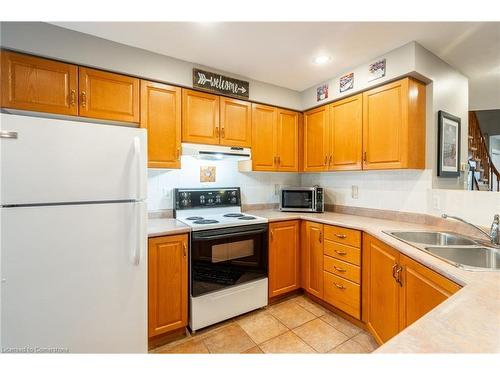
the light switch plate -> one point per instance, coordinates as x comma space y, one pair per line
354, 192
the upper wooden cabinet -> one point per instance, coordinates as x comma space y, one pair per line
346, 134
394, 126
167, 284
287, 142
35, 84
161, 116
200, 117
284, 258
316, 139
108, 96
235, 122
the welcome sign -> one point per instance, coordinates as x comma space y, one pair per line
220, 84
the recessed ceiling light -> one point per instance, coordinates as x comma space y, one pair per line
322, 59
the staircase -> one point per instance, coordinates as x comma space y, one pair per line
484, 174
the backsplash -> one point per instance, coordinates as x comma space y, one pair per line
256, 187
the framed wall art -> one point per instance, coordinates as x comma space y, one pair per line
448, 145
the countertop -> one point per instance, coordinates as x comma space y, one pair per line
467, 322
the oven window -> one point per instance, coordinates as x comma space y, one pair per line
297, 199
224, 260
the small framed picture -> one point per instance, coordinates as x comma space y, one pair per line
448, 145
376, 70
346, 82
322, 92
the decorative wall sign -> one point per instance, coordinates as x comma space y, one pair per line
346, 82
376, 70
220, 84
322, 92
207, 174
448, 145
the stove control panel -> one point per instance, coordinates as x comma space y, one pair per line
205, 198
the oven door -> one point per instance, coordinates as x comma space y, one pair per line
303, 199
221, 258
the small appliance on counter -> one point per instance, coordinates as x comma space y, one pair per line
228, 255
302, 199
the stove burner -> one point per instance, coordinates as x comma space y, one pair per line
247, 218
194, 218
234, 215
206, 221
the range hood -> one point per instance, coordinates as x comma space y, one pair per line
212, 152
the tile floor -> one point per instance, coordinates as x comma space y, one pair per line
295, 325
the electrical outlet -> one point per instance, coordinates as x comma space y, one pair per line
167, 193
276, 189
354, 192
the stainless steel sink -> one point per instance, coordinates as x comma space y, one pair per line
433, 238
472, 256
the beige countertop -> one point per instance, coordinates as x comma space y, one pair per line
469, 321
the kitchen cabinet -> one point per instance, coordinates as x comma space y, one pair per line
167, 284
200, 117
35, 84
394, 126
316, 139
346, 134
235, 122
161, 116
287, 142
108, 96
284, 258
313, 257
397, 290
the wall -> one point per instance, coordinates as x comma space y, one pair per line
51, 41
256, 187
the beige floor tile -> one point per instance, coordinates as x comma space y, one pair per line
262, 326
341, 324
254, 350
230, 339
366, 341
310, 306
291, 314
188, 347
320, 335
349, 347
286, 343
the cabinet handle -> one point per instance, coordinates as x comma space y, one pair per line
178, 152
217, 131
320, 237
279, 160
272, 235
330, 160
340, 252
184, 249
340, 235
84, 99
396, 273
326, 159
339, 269
364, 156
340, 286
72, 97
223, 132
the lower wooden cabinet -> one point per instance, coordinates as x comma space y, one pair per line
284, 261
313, 259
167, 284
397, 290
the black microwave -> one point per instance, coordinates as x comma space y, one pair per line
302, 199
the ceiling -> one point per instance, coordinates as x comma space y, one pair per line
282, 53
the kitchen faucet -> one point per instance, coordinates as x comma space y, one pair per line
494, 235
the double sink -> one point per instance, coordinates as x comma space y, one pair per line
458, 250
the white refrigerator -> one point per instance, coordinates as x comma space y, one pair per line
73, 255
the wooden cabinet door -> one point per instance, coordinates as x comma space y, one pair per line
385, 126
167, 284
264, 138
200, 117
423, 289
316, 141
36, 84
380, 289
283, 257
108, 96
314, 259
161, 116
288, 141
235, 122
346, 134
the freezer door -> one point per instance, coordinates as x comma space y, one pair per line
74, 278
53, 161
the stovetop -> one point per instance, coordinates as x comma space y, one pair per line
219, 220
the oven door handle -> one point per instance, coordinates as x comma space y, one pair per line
226, 235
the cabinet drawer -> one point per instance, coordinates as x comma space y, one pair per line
343, 269
343, 252
342, 294
343, 235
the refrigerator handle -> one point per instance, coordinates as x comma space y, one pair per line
138, 157
138, 234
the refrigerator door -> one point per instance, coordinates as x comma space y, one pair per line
55, 161
74, 278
